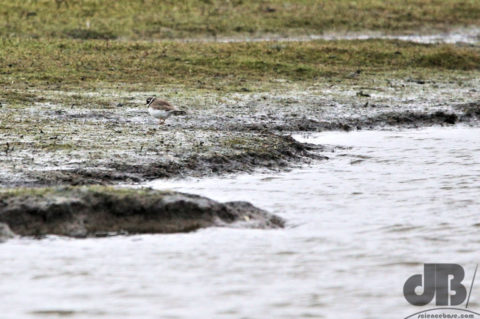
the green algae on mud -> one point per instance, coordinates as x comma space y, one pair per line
159, 19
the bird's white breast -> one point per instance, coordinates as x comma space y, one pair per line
159, 114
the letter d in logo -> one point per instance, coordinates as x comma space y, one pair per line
416, 281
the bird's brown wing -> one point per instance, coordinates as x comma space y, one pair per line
162, 105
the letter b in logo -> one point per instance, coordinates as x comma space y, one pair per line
439, 280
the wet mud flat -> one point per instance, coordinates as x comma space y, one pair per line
108, 137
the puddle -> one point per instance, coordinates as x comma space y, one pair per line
469, 35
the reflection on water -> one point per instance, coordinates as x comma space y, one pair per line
359, 225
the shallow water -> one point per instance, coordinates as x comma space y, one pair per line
469, 35
359, 225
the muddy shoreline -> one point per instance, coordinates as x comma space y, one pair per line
282, 151
50, 144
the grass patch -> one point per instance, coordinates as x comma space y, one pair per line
92, 64
163, 19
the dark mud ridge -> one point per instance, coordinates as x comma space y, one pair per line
280, 152
98, 211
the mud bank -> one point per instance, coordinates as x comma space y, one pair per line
245, 154
97, 211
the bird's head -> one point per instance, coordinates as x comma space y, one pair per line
150, 100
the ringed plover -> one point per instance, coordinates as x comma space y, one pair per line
160, 109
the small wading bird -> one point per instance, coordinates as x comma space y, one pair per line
161, 109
